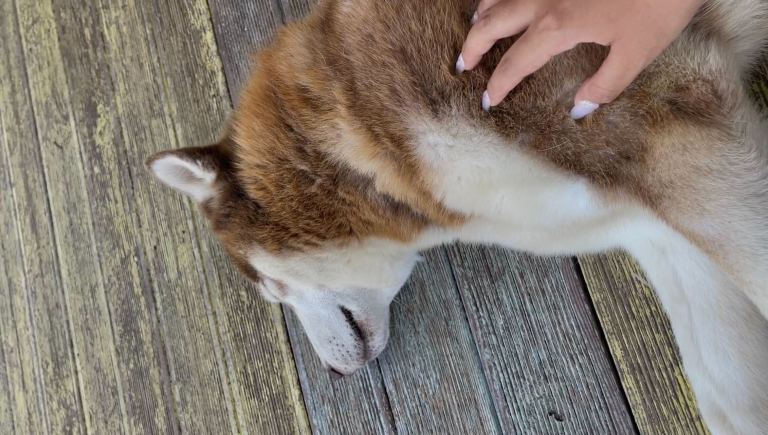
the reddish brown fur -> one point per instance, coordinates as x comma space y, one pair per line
367, 67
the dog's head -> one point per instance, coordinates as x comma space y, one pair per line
309, 233
322, 210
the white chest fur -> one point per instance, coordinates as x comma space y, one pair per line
512, 198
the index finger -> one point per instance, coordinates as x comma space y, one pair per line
500, 21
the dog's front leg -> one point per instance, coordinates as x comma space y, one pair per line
721, 334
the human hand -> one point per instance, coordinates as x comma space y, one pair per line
637, 31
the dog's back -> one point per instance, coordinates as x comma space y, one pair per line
377, 66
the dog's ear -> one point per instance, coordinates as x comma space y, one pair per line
193, 171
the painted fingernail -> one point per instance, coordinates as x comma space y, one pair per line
486, 101
475, 17
583, 108
460, 64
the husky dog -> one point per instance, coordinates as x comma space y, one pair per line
355, 146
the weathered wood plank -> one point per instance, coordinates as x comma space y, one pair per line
200, 386
43, 370
6, 396
82, 280
432, 372
146, 395
241, 28
641, 341
239, 345
265, 384
295, 9
540, 344
17, 331
6, 413
11, 373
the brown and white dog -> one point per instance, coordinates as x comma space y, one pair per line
355, 146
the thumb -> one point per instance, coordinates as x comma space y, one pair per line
620, 68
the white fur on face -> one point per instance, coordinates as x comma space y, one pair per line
188, 177
340, 295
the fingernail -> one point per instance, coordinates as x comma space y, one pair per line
583, 108
486, 101
460, 64
475, 17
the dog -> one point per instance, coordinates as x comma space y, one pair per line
356, 145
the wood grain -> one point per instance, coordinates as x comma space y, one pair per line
641, 341
540, 343
431, 369
6, 395
68, 129
195, 374
46, 394
24, 396
241, 28
295, 9
6, 411
265, 384
145, 389
17, 386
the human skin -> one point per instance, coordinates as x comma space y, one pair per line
636, 31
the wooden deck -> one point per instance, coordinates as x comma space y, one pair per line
119, 312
